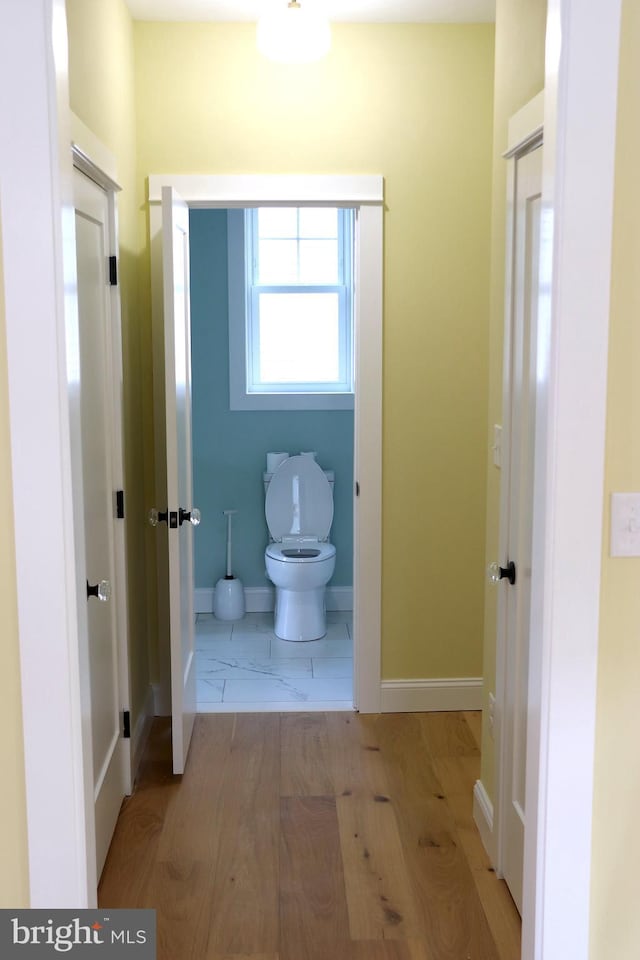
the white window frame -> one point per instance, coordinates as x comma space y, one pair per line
242, 338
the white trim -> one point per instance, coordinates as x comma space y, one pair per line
256, 190
578, 186
161, 689
261, 599
483, 818
525, 127
37, 189
367, 420
339, 599
101, 163
141, 731
366, 195
443, 693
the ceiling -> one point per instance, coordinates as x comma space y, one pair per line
366, 11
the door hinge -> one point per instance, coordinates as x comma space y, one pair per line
113, 271
120, 504
357, 489
126, 725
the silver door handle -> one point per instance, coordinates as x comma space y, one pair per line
101, 590
496, 573
189, 516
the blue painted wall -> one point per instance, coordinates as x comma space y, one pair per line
230, 447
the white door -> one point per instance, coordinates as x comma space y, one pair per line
110, 750
517, 538
181, 516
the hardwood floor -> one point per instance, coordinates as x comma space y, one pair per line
321, 836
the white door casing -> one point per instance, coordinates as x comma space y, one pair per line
177, 368
580, 108
365, 194
111, 755
514, 603
36, 188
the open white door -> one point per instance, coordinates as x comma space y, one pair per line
517, 514
180, 516
108, 667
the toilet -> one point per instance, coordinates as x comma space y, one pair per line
299, 559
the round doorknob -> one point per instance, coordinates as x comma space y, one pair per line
101, 590
496, 573
189, 516
157, 516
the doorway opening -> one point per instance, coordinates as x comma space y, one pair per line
299, 331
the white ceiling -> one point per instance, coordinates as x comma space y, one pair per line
366, 11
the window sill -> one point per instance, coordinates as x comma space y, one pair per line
290, 401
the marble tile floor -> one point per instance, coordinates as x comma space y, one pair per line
243, 667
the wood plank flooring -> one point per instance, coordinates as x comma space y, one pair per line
321, 836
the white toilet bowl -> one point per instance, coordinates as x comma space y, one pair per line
299, 560
300, 573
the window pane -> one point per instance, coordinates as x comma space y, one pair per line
318, 222
277, 261
299, 338
277, 222
319, 261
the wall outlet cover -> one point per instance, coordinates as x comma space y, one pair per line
625, 525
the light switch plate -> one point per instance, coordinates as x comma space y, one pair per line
625, 525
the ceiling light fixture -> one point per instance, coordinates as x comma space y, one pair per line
293, 34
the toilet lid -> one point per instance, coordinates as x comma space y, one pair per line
299, 502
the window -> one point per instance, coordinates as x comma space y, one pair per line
291, 331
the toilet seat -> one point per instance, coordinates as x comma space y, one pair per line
291, 549
299, 504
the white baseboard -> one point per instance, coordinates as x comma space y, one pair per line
483, 817
260, 599
447, 693
339, 598
140, 733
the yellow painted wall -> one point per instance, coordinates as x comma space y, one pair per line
519, 76
14, 870
414, 103
101, 85
615, 918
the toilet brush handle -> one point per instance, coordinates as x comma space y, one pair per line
228, 514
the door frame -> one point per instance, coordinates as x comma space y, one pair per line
177, 540
43, 368
525, 134
580, 114
578, 101
365, 193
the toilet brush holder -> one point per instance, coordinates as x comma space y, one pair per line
228, 596
228, 599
